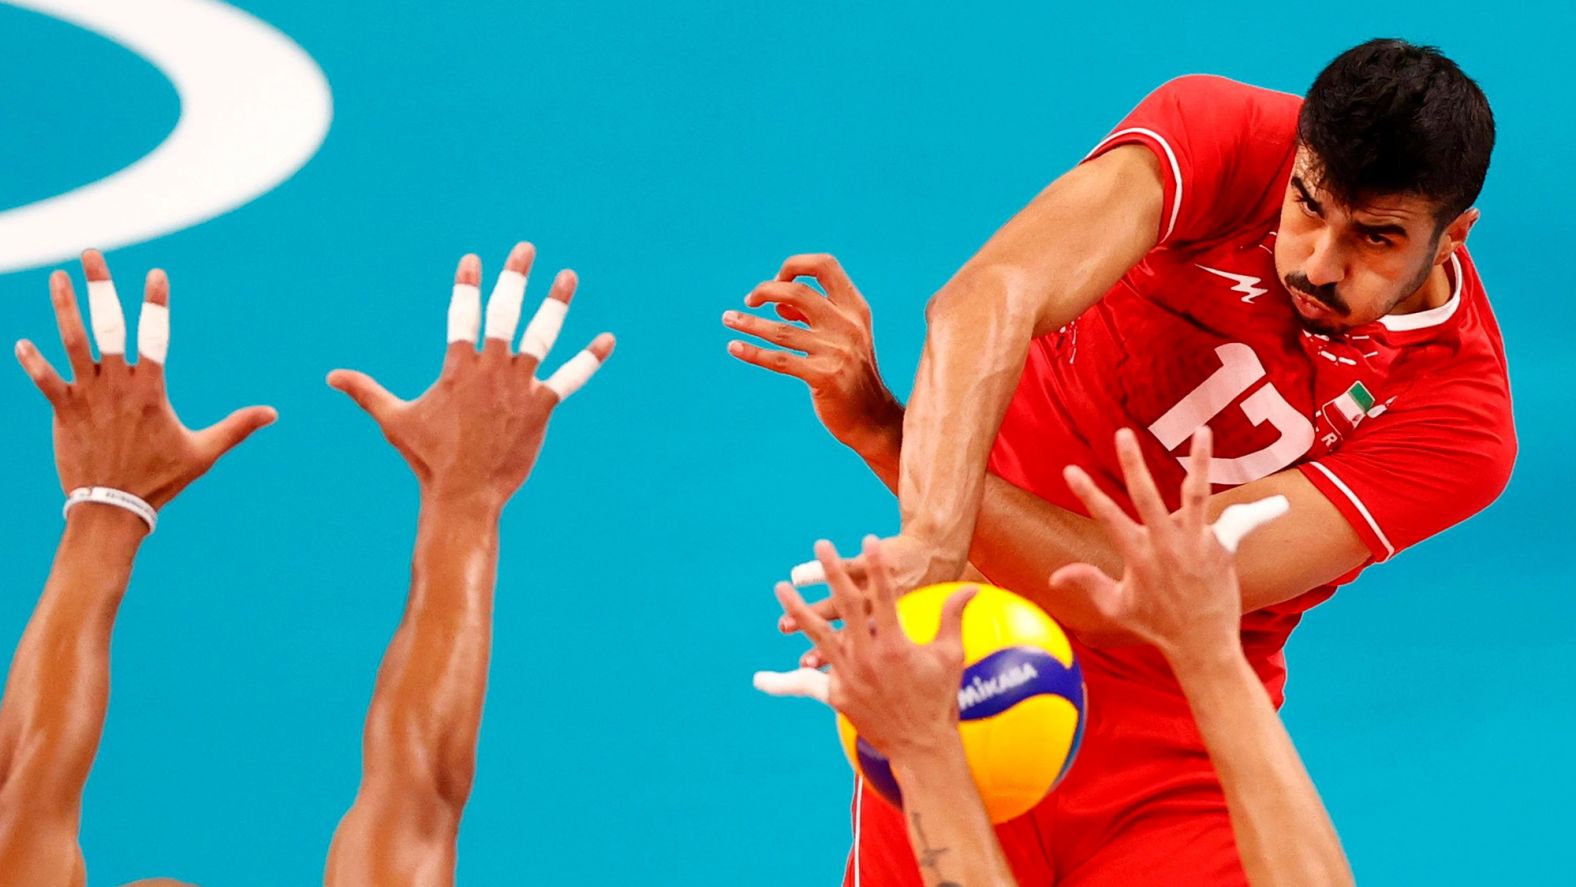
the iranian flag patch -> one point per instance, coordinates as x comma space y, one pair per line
1346, 411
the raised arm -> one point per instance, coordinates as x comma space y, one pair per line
471, 440
912, 721
117, 440
1019, 538
1052, 261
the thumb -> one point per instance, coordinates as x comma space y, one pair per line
951, 629
365, 391
826, 609
812, 573
224, 435
806, 682
1090, 582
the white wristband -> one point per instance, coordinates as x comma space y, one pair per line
117, 498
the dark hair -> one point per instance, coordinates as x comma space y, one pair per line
1388, 117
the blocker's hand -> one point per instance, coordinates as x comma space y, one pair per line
1179, 588
902, 697
839, 357
114, 426
476, 432
907, 561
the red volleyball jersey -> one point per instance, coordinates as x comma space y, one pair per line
1405, 423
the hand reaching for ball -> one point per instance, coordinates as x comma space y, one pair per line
902, 697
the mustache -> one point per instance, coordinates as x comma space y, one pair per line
1324, 295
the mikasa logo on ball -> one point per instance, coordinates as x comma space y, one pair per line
982, 689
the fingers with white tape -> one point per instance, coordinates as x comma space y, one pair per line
1237, 521
153, 324
104, 314
465, 305
543, 330
811, 573
805, 682
503, 306
579, 369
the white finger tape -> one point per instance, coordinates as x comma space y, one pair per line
1237, 521
805, 682
109, 325
811, 573
153, 332
572, 375
465, 313
542, 331
503, 306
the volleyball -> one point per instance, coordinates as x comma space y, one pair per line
1020, 704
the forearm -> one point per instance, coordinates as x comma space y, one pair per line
980, 326
58, 687
953, 840
1020, 539
1283, 832
1043, 269
426, 710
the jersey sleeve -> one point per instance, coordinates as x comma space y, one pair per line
1423, 469
1224, 150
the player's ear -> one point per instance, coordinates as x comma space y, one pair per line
1456, 233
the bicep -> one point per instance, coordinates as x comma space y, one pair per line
1313, 544
1077, 237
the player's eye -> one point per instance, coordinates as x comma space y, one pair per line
1307, 208
1376, 240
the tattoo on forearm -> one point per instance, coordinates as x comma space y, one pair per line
929, 856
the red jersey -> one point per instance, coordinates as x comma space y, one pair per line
1404, 423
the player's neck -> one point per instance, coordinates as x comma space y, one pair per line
1434, 292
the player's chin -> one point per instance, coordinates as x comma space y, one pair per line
1320, 320
1325, 326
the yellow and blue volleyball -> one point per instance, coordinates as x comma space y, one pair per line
1020, 705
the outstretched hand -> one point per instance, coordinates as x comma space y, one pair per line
901, 696
1178, 590
839, 356
114, 426
476, 432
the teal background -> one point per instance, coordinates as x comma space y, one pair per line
674, 154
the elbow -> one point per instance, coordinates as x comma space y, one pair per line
974, 285
431, 778
999, 291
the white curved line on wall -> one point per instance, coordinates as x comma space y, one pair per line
254, 109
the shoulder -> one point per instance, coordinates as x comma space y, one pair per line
1214, 97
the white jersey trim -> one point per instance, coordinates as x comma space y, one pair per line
859, 818
1361, 508
1420, 320
1171, 157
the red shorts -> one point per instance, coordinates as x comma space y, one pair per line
1141, 805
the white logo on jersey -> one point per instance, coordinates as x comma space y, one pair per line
1248, 286
1240, 370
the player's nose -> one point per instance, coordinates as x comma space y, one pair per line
1325, 265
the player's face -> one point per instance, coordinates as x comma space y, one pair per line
1349, 265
